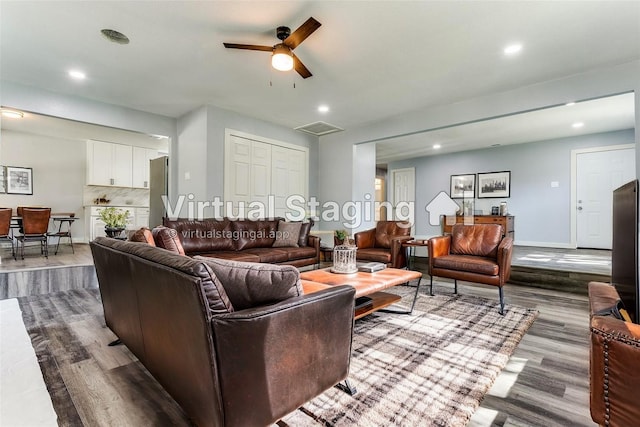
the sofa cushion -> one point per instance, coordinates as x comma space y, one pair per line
143, 235
479, 239
214, 292
251, 284
268, 255
374, 254
254, 234
287, 235
203, 236
299, 253
467, 263
167, 238
386, 230
233, 255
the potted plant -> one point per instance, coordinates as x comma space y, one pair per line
340, 237
115, 220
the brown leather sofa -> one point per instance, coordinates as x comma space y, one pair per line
614, 376
384, 243
235, 344
475, 253
244, 240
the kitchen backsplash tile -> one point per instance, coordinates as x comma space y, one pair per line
117, 196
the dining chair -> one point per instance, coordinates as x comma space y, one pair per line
35, 224
5, 228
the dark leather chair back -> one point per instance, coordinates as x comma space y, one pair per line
35, 220
5, 221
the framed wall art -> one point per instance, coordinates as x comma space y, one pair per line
19, 180
494, 185
3, 180
463, 186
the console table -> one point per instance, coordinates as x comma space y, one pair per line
505, 221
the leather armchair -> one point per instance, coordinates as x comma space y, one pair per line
475, 253
614, 379
384, 243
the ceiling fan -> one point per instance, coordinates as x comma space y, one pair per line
282, 57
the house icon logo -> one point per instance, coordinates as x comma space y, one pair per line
442, 204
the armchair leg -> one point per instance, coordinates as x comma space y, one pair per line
501, 311
431, 286
455, 286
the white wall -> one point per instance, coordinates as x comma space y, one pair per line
542, 213
58, 173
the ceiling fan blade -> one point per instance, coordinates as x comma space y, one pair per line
248, 47
303, 31
300, 68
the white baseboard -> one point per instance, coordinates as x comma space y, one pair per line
544, 244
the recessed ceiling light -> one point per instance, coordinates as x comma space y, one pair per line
436, 146
512, 49
570, 104
77, 75
323, 108
12, 114
577, 125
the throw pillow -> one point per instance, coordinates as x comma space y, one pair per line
305, 229
252, 284
143, 235
167, 238
287, 234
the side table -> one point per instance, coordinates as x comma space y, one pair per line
410, 251
327, 254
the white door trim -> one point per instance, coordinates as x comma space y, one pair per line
574, 181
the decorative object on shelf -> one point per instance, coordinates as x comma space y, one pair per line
462, 186
19, 180
102, 200
115, 221
344, 258
494, 184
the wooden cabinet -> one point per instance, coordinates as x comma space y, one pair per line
109, 164
507, 222
141, 157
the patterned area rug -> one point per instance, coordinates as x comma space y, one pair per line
432, 368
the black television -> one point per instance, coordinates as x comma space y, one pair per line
624, 250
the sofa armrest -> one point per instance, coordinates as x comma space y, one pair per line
614, 381
274, 358
505, 252
365, 239
314, 242
398, 255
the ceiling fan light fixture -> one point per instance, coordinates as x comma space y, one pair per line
282, 58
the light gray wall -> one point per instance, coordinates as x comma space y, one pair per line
200, 142
542, 212
58, 173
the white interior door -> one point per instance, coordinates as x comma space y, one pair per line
404, 194
598, 174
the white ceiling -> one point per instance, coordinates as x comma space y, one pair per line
370, 59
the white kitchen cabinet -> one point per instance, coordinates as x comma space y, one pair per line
141, 158
109, 164
142, 218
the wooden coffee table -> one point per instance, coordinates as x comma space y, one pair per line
368, 285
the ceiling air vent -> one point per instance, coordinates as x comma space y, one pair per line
319, 128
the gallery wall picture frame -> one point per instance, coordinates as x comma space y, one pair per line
3, 180
494, 185
463, 186
19, 180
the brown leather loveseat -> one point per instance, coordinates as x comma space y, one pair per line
384, 243
475, 253
614, 377
235, 344
247, 240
